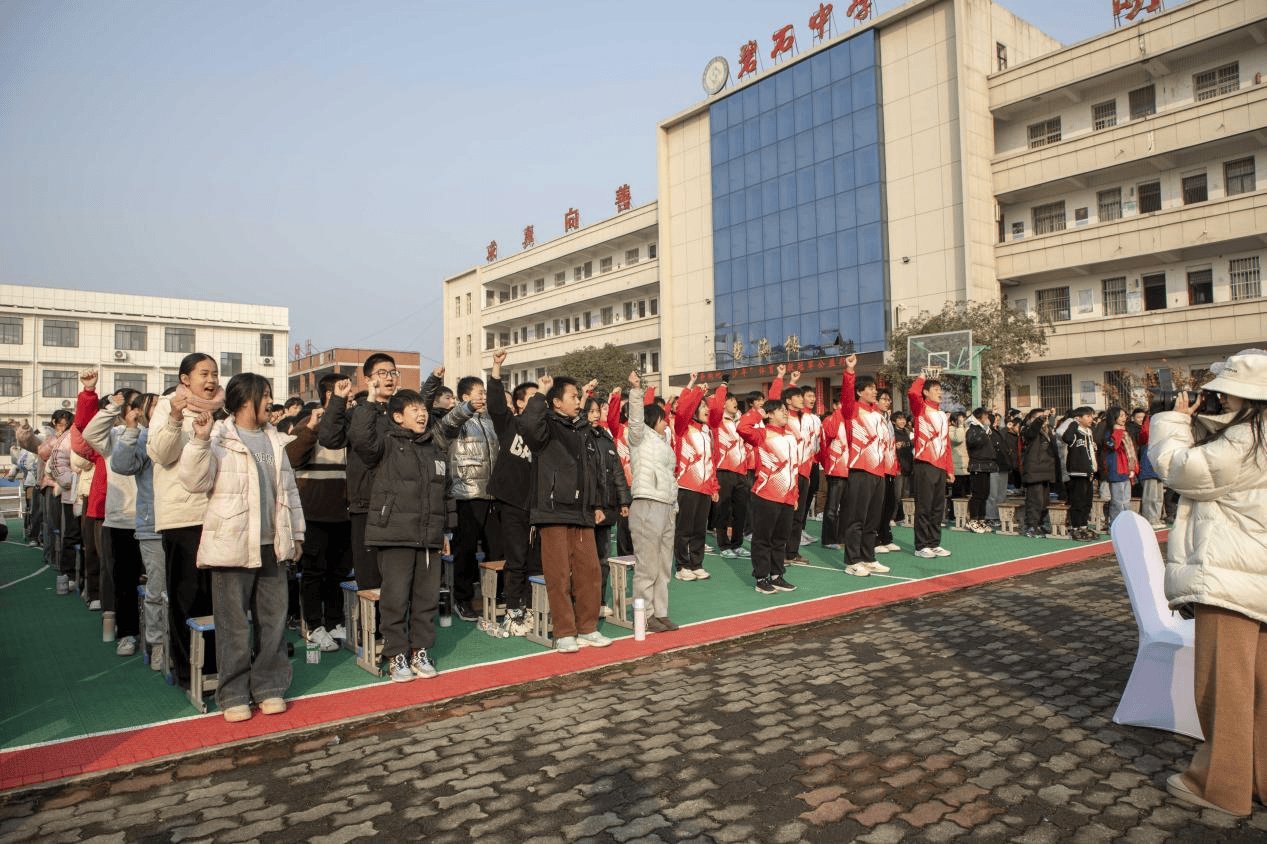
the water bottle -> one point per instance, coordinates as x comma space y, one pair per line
312, 653
107, 626
446, 607
640, 619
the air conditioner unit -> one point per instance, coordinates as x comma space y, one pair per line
65, 402
119, 354
268, 361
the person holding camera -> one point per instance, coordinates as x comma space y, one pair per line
1216, 571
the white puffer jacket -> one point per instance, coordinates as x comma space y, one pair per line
174, 506
1217, 552
651, 458
223, 467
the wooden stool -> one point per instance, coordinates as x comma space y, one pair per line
369, 652
620, 576
1007, 518
1059, 515
1096, 520
199, 683
351, 615
961, 513
539, 613
908, 513
489, 570
1135, 502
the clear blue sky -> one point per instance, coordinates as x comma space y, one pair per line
343, 158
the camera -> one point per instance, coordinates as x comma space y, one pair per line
1206, 403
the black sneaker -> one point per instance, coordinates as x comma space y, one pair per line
781, 585
766, 586
463, 611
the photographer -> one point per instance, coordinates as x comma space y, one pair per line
1217, 571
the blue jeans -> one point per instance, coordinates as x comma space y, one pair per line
263, 592
1119, 498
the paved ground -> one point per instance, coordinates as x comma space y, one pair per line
984, 715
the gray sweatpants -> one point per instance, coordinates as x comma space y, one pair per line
651, 525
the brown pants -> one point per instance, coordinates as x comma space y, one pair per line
1230, 769
569, 562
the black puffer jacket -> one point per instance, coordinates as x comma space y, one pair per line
566, 466
981, 456
512, 476
334, 431
1039, 463
613, 489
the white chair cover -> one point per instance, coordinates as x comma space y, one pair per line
1160, 691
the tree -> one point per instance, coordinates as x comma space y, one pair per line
611, 365
1013, 337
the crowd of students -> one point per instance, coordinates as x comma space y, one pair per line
209, 494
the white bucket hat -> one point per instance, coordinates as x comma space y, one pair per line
1244, 374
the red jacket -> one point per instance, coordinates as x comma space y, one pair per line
930, 433
693, 443
776, 452
868, 430
86, 407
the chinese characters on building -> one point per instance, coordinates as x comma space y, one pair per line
784, 38
623, 199
1130, 9
820, 21
529, 238
492, 251
571, 220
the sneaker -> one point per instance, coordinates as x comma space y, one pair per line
831, 546
1158, 526
1177, 787
273, 705
882, 549
781, 585
323, 640
126, 646
742, 552
807, 538
338, 632
654, 625
32, 544
1030, 533
604, 611
685, 574
876, 568
798, 560
234, 714
593, 640
892, 546
765, 586
701, 574
858, 570
423, 665
463, 611
94, 606
399, 670
665, 623
729, 554
516, 623
926, 553
566, 645
292, 622
981, 527
941, 552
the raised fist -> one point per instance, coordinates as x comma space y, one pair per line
89, 379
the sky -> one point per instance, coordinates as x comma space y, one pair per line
343, 158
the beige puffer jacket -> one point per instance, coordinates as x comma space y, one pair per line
224, 468
174, 506
1217, 552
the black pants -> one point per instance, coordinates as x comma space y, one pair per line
980, 492
771, 523
408, 598
189, 596
624, 539
516, 539
326, 562
71, 539
126, 569
883, 530
732, 509
866, 508
1079, 489
91, 533
603, 544
793, 545
690, 529
364, 558
1035, 504
928, 483
477, 525
834, 510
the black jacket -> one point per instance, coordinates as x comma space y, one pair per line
334, 431
566, 466
512, 473
981, 456
904, 449
1004, 454
1078, 462
1040, 463
613, 489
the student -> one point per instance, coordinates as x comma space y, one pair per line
1038, 468
834, 457
774, 492
902, 448
693, 426
868, 431
1080, 463
800, 426
884, 543
565, 510
651, 519
614, 499
1151, 490
617, 424
407, 461
732, 480
254, 525
959, 456
57, 482
982, 464
98, 587
998, 480
933, 465
1121, 461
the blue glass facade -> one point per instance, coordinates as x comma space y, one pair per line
797, 208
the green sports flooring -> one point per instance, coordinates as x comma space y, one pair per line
61, 681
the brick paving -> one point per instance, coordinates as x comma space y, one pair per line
981, 715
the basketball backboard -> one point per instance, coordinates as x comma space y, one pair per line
949, 350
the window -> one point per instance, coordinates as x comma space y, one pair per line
10, 382
1200, 287
170, 380
585, 319
11, 326
1245, 278
1080, 216
1021, 305
457, 347
628, 311
1043, 133
266, 345
577, 273
1053, 304
490, 341
1143, 102
1194, 189
1149, 197
230, 364
1238, 177
631, 256
490, 298
1000, 55
1109, 203
60, 384
1104, 115
61, 332
468, 345
651, 252
1154, 292
514, 292
1055, 391
560, 279
1117, 388
1213, 83
503, 338
503, 296
1113, 290
1049, 218
642, 308
129, 381
468, 304
457, 306
129, 337
605, 316
653, 307
655, 362
539, 286
178, 340
605, 265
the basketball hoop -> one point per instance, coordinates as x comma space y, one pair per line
932, 373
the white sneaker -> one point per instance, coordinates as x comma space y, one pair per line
858, 570
322, 640
892, 546
338, 632
926, 553
941, 552
126, 646
876, 568
604, 611
807, 539
593, 640
566, 645
882, 549
685, 574
701, 574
